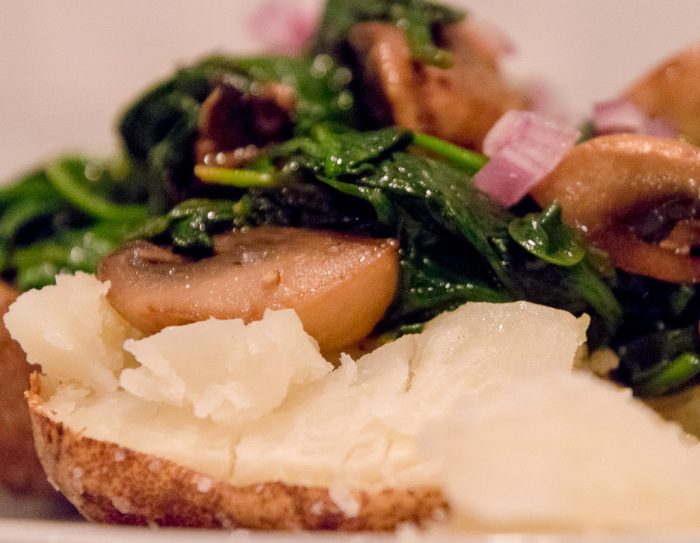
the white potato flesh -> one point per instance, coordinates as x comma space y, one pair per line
331, 431
480, 347
565, 451
72, 331
271, 407
148, 427
225, 370
364, 427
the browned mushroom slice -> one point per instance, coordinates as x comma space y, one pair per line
459, 104
234, 124
672, 92
609, 185
20, 470
340, 285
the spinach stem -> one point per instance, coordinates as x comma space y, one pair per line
234, 177
466, 160
64, 181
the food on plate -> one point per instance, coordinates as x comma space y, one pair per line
562, 451
459, 103
339, 285
609, 186
21, 471
269, 435
669, 92
381, 193
268, 425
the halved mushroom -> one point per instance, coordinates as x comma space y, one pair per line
339, 284
672, 92
613, 187
459, 104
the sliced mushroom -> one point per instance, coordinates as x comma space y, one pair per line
234, 123
672, 92
608, 185
459, 104
340, 285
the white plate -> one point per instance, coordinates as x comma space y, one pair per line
67, 67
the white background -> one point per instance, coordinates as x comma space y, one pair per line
68, 66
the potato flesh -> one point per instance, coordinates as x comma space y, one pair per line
524, 443
560, 451
276, 351
354, 426
150, 427
363, 426
80, 336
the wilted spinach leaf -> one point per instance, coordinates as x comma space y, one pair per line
545, 236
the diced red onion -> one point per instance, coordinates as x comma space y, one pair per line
283, 28
617, 116
623, 116
523, 148
660, 128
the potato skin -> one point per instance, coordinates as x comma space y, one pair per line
116, 485
20, 471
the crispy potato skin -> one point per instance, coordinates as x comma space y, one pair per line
112, 484
20, 470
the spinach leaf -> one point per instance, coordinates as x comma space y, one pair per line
433, 209
418, 18
189, 226
322, 86
68, 177
662, 361
160, 128
65, 217
545, 236
66, 251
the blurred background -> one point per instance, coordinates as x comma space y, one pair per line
67, 67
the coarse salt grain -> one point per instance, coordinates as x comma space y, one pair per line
345, 501
204, 484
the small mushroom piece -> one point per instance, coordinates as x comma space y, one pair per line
609, 185
340, 285
459, 104
234, 124
672, 92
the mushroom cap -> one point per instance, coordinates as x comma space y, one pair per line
607, 183
340, 285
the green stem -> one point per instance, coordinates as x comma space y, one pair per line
234, 177
464, 159
670, 376
64, 181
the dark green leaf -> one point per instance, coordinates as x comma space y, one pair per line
418, 18
69, 251
545, 236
